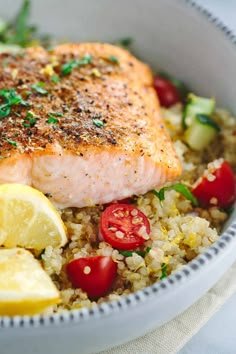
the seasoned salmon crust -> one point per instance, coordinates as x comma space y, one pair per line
82, 124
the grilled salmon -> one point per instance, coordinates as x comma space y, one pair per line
82, 124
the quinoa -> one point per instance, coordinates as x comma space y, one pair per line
179, 231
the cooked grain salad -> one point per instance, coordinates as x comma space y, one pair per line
179, 230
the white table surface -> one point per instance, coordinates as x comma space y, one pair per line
218, 336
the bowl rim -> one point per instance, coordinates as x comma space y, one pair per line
160, 288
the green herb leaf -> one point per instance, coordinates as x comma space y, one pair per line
11, 99
180, 188
140, 253
68, 67
98, 123
52, 120
124, 42
57, 114
12, 142
4, 110
39, 88
113, 59
55, 79
29, 120
163, 271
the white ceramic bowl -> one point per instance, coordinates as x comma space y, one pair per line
187, 41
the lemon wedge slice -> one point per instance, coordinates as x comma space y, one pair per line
25, 288
28, 219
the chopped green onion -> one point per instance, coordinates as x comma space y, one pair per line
98, 123
163, 271
180, 188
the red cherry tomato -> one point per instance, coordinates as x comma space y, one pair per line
166, 91
95, 275
124, 227
223, 188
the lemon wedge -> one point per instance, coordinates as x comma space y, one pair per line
28, 219
25, 288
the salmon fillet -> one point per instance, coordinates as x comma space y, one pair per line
87, 127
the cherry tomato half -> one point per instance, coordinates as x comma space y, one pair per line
124, 227
223, 188
167, 93
95, 275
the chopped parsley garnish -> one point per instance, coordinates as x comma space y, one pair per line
68, 67
140, 253
52, 120
98, 123
113, 59
12, 142
163, 271
55, 79
179, 187
27, 93
124, 42
57, 114
29, 120
11, 99
39, 87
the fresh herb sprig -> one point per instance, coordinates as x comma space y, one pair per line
19, 32
180, 188
12, 98
69, 66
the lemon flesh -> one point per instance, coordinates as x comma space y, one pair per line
25, 288
28, 219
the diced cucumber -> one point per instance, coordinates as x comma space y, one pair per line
196, 105
201, 132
